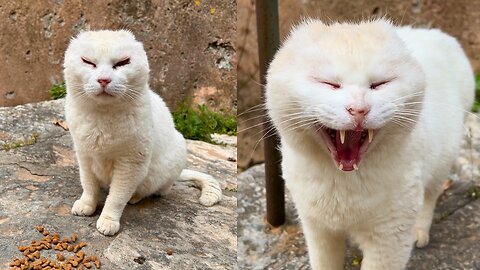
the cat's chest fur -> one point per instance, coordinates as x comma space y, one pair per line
349, 201
108, 133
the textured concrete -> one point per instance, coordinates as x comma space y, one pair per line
40, 182
454, 237
454, 243
190, 45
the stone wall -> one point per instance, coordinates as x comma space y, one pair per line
460, 19
190, 45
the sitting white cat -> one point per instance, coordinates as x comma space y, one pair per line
370, 117
123, 133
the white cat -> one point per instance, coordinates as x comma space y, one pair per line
123, 133
371, 119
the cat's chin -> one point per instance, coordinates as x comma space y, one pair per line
347, 147
104, 94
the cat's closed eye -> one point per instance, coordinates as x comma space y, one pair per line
376, 85
86, 61
329, 83
333, 85
122, 63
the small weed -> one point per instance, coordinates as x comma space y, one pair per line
201, 122
31, 140
445, 215
473, 192
356, 258
356, 261
230, 189
476, 103
58, 91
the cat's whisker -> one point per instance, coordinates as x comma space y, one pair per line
299, 124
443, 107
290, 117
406, 119
256, 125
263, 107
253, 109
411, 95
402, 124
305, 125
264, 115
268, 133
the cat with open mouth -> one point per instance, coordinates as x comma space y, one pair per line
370, 117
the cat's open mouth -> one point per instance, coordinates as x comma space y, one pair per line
347, 146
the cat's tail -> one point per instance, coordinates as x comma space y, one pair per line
211, 189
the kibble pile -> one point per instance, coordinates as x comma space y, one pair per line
34, 261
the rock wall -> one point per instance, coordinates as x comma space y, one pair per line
460, 19
190, 45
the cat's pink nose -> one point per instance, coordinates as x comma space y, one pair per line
358, 113
104, 81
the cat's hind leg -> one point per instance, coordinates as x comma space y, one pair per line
141, 192
147, 188
164, 190
425, 216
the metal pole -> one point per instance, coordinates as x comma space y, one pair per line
268, 43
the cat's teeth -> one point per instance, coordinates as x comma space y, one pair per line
340, 167
370, 135
355, 167
342, 136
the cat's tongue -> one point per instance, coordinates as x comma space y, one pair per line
348, 152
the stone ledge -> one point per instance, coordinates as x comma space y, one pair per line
39, 183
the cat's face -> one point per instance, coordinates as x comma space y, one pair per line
344, 85
105, 66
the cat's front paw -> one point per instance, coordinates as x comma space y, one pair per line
83, 208
422, 237
107, 226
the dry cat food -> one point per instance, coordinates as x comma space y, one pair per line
33, 260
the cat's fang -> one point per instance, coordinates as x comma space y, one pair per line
355, 167
340, 167
342, 136
370, 135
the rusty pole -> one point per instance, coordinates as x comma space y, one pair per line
268, 43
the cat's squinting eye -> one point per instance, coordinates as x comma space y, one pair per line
333, 85
122, 63
374, 86
86, 61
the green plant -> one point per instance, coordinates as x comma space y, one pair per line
474, 192
201, 122
476, 103
20, 143
58, 91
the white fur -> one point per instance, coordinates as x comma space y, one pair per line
388, 202
126, 142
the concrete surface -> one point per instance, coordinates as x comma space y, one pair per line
454, 243
40, 182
